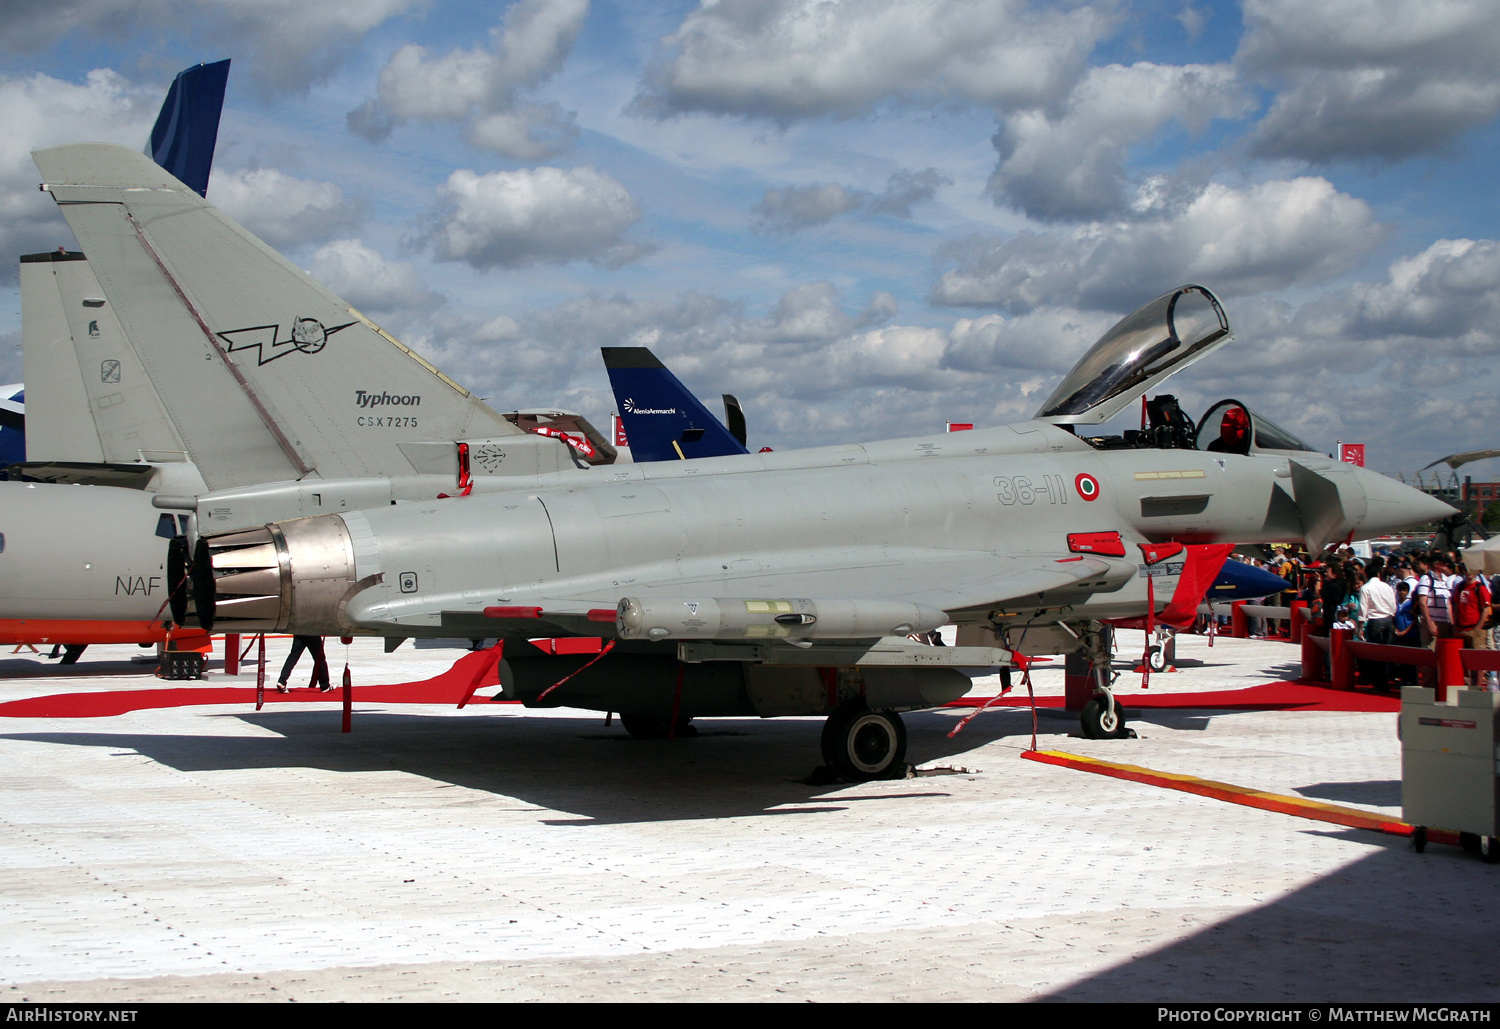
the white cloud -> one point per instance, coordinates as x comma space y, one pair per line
808, 313
1444, 301
542, 215
905, 189
800, 207
790, 59
41, 111
1192, 21
282, 210
278, 44
804, 367
1071, 164
1044, 342
1235, 241
484, 85
793, 208
366, 279
1372, 78
899, 355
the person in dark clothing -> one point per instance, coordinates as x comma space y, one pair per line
314, 646
1334, 590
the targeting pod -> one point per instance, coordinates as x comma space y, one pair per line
731, 619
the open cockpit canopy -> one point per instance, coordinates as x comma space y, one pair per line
1147, 345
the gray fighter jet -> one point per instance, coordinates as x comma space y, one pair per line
768, 584
789, 583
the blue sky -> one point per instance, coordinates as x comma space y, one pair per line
864, 219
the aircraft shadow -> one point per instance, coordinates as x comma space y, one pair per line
1379, 793
38, 667
736, 766
1391, 926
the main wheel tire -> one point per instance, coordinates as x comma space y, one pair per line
655, 727
1489, 849
1419, 838
1103, 719
864, 745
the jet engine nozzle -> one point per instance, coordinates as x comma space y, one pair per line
286, 576
730, 619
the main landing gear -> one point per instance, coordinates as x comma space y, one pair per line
862, 744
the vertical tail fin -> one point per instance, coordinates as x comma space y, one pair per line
187, 129
663, 420
94, 401
92, 398
265, 374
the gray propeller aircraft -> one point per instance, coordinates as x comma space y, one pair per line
757, 584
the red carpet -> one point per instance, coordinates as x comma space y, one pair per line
1273, 696
448, 688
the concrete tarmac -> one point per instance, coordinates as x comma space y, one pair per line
216, 853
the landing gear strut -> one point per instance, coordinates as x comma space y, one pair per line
864, 745
1103, 718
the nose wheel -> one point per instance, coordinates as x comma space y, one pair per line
1104, 719
1156, 657
864, 745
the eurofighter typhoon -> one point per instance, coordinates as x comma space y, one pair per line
784, 583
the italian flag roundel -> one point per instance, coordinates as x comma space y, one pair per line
1087, 486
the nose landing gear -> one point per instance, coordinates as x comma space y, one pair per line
1104, 719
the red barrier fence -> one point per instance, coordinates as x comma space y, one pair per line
1332, 660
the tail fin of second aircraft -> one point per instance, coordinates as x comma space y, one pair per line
187, 129
663, 420
94, 403
92, 400
264, 373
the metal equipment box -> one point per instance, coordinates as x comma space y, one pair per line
1450, 764
181, 664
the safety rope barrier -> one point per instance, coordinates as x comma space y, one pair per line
608, 646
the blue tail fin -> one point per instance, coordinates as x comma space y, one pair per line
663, 421
187, 129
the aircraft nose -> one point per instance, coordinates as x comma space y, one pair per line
1392, 506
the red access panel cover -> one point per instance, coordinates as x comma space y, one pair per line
1107, 544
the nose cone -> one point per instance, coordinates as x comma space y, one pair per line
1391, 506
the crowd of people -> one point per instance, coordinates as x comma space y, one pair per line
1401, 597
